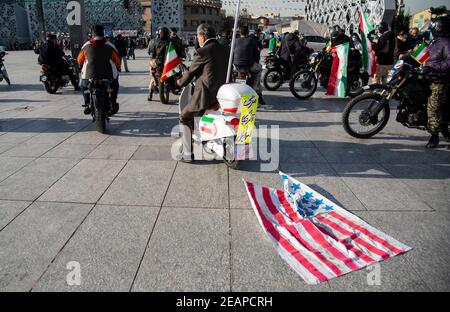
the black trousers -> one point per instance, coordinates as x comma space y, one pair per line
114, 86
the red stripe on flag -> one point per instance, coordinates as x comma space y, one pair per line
293, 231
331, 89
353, 236
366, 232
282, 241
207, 130
315, 233
291, 213
169, 66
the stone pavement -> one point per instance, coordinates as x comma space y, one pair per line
136, 220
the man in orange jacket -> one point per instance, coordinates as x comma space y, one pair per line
99, 59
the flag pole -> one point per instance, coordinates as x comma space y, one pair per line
233, 40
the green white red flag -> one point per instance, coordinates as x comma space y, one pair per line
368, 55
171, 64
337, 85
421, 53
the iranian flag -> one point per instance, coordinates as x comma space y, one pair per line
171, 64
337, 84
421, 53
368, 55
207, 125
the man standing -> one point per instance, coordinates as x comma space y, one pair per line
209, 66
439, 66
384, 50
247, 54
414, 39
401, 45
178, 43
121, 46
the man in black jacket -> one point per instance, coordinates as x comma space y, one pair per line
51, 54
122, 47
246, 54
384, 50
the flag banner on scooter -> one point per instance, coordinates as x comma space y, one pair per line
171, 64
207, 125
368, 55
421, 53
337, 84
246, 126
316, 237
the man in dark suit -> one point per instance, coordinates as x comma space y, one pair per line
209, 66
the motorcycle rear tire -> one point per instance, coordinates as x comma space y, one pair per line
276, 85
353, 92
163, 93
350, 105
51, 88
100, 113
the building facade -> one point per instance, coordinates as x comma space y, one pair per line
18, 22
345, 13
198, 12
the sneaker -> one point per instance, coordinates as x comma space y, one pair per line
87, 110
434, 141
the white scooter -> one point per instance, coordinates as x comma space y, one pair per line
216, 131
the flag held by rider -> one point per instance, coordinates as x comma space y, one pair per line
421, 53
316, 237
368, 55
171, 64
337, 84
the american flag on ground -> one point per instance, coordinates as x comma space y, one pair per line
316, 237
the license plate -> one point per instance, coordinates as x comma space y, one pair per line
243, 81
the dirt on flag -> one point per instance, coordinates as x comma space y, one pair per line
172, 63
316, 237
337, 84
368, 55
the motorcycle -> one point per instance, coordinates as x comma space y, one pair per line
366, 115
53, 79
100, 104
304, 83
242, 75
278, 72
3, 72
164, 88
217, 130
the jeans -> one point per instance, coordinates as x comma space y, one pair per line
114, 86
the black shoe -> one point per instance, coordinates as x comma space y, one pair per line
87, 110
434, 141
150, 96
261, 100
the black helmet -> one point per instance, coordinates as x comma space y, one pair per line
382, 27
164, 33
440, 26
336, 35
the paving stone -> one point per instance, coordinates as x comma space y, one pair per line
188, 251
28, 150
9, 165
108, 246
141, 182
86, 182
72, 151
116, 152
35, 178
10, 209
31, 241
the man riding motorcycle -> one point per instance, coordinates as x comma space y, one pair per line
157, 52
438, 66
209, 66
51, 54
99, 59
246, 54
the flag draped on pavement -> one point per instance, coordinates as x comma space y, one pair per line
171, 64
316, 237
368, 55
337, 84
421, 53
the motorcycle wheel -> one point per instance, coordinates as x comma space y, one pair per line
355, 85
228, 147
163, 93
357, 108
273, 79
303, 80
51, 87
100, 112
